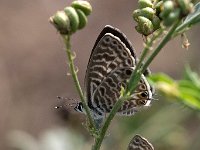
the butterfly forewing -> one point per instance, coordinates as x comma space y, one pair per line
140, 143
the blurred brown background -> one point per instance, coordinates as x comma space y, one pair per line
33, 62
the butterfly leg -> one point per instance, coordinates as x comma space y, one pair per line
99, 122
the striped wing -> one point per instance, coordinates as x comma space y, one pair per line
109, 53
140, 143
108, 92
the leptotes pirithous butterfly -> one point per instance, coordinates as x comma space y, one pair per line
110, 66
139, 143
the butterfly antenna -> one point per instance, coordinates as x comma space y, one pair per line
155, 99
57, 107
74, 104
63, 100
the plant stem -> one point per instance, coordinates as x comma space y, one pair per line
99, 139
66, 39
145, 51
136, 78
166, 39
186, 25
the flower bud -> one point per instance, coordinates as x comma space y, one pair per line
145, 25
158, 7
138, 29
82, 19
186, 6
61, 22
172, 17
73, 17
156, 22
168, 6
148, 13
136, 14
82, 5
145, 3
145, 12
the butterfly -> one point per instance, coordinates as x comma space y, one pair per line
139, 143
110, 66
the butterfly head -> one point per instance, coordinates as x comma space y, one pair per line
98, 119
79, 107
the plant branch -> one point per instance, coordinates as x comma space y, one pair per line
145, 52
166, 39
102, 133
191, 20
136, 78
66, 39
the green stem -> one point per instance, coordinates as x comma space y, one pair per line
66, 39
118, 104
145, 52
180, 30
186, 25
166, 39
99, 139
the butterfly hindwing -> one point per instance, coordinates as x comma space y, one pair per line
108, 92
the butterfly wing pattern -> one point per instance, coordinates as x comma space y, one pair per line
111, 64
139, 143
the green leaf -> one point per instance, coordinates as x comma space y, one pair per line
190, 98
194, 16
189, 88
164, 84
188, 85
191, 76
160, 77
192, 19
186, 90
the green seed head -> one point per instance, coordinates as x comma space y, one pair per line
145, 3
145, 25
82, 19
138, 29
136, 14
156, 22
73, 17
173, 16
147, 12
61, 21
82, 5
158, 7
186, 6
168, 6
